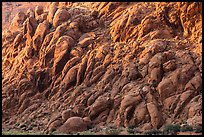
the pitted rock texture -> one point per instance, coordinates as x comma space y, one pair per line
71, 65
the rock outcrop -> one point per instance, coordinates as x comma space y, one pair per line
126, 63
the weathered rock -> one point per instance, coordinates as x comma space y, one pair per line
70, 78
42, 17
24, 105
122, 63
54, 125
169, 65
60, 16
51, 12
140, 113
81, 71
17, 21
156, 75
73, 124
99, 105
156, 117
17, 40
38, 11
29, 51
67, 114
195, 106
77, 51
195, 83
30, 27
30, 13
86, 39
39, 35
61, 55
166, 88
195, 121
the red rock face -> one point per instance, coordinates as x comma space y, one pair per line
72, 65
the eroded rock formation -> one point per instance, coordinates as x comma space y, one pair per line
68, 66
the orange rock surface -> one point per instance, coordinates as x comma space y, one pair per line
101, 63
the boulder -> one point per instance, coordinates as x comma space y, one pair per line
55, 125
140, 112
100, 104
66, 114
156, 75
72, 125
166, 88
155, 115
38, 11
60, 16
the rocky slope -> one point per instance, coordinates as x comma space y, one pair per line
10, 9
71, 66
